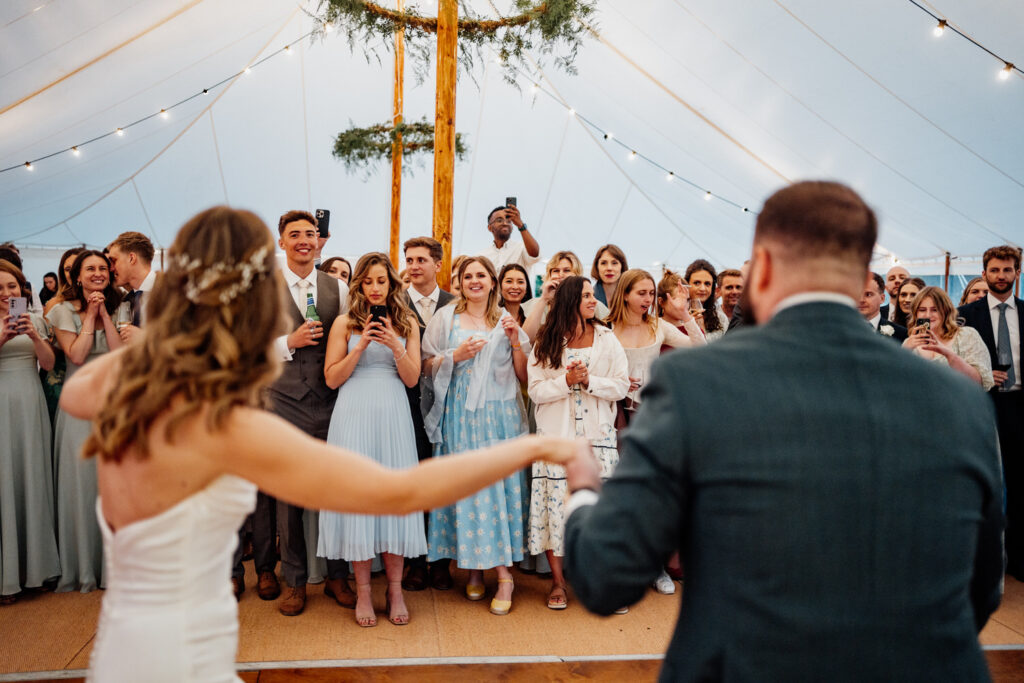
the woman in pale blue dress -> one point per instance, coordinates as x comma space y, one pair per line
474, 355
28, 546
373, 363
84, 331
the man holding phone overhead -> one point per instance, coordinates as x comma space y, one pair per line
999, 319
503, 249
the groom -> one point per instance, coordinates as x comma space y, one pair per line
815, 549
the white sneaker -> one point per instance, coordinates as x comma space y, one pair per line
664, 584
622, 610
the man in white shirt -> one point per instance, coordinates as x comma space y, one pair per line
503, 249
869, 307
131, 259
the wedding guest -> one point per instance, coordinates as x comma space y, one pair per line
28, 546
456, 264
702, 279
403, 275
131, 266
301, 396
10, 253
503, 249
730, 289
561, 265
975, 289
423, 258
944, 340
894, 277
905, 293
609, 264
49, 289
999, 319
869, 307
53, 379
338, 267
669, 306
514, 281
473, 353
577, 371
373, 360
84, 331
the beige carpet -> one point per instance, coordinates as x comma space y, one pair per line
49, 632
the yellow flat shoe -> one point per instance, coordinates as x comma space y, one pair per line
475, 592
501, 607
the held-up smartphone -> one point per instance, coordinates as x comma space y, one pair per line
510, 201
378, 313
18, 306
323, 222
922, 326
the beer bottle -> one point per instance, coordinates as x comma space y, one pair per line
311, 313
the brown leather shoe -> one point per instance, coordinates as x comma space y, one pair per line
440, 576
341, 592
268, 587
237, 587
415, 579
294, 601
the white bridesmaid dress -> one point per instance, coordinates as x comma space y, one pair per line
169, 613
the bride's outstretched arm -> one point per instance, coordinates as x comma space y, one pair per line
292, 466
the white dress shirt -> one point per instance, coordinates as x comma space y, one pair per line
148, 282
874, 321
296, 289
513, 251
426, 306
1013, 323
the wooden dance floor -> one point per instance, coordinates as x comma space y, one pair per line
49, 637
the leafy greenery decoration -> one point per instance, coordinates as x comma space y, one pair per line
359, 148
554, 28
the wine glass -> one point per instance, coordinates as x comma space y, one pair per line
640, 375
123, 315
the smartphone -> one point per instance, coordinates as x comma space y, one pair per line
378, 313
323, 222
18, 306
510, 201
922, 326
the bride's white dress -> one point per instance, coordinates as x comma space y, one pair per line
169, 613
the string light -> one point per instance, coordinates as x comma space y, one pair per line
328, 27
670, 176
632, 156
609, 136
166, 112
572, 112
707, 196
1008, 67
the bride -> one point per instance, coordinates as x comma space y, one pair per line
182, 445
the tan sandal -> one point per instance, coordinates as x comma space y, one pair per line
557, 598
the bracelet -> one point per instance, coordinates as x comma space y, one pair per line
404, 354
523, 229
517, 346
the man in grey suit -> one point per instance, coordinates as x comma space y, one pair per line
816, 548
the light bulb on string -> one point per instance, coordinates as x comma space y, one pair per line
670, 176
287, 49
609, 136
707, 196
1005, 72
120, 132
572, 112
940, 28
632, 156
328, 27
29, 166
534, 87
77, 152
247, 70
163, 114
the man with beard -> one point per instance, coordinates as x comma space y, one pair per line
999, 318
893, 279
503, 250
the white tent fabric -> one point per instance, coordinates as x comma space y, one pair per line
737, 97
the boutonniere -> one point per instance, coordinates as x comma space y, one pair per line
887, 330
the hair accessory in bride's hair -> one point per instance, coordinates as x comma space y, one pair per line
201, 278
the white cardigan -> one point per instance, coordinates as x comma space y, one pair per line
609, 383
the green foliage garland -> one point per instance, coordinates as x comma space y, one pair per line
554, 28
361, 147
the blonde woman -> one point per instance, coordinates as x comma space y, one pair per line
935, 335
577, 372
560, 266
373, 360
473, 353
181, 443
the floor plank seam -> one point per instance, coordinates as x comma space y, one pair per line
80, 650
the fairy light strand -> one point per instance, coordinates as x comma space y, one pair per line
943, 24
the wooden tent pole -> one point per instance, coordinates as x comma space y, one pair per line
396, 146
444, 133
945, 279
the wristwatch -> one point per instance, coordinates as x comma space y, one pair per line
523, 228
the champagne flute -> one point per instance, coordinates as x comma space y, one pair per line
123, 315
640, 375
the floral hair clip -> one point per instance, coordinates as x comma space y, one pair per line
200, 279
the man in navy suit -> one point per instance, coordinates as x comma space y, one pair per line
816, 548
999, 318
869, 307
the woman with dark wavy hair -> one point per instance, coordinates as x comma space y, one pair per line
905, 295
702, 279
373, 360
577, 372
181, 442
85, 331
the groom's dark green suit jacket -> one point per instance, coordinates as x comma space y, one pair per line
837, 502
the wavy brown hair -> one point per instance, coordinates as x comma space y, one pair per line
359, 306
617, 306
76, 292
493, 312
950, 323
563, 321
208, 348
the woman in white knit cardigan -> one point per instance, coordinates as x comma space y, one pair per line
576, 373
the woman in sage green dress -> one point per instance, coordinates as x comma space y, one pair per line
28, 546
84, 330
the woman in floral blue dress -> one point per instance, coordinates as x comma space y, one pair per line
474, 360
